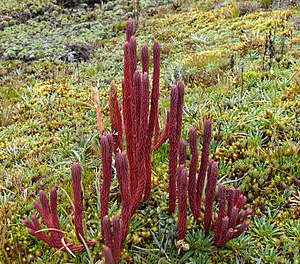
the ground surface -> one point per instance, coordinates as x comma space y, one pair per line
52, 57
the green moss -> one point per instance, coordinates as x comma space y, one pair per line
47, 121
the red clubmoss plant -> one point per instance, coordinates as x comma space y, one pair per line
112, 237
153, 116
230, 223
203, 165
142, 156
175, 121
138, 119
182, 152
145, 59
106, 151
140, 115
193, 170
135, 108
49, 216
182, 201
77, 193
212, 177
115, 234
134, 175
173, 152
108, 256
123, 178
129, 29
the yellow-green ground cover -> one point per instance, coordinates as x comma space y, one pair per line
249, 87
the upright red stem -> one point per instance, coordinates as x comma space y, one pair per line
123, 178
108, 256
182, 202
182, 152
106, 147
145, 59
77, 192
57, 235
133, 54
173, 152
128, 113
193, 171
143, 157
129, 29
106, 231
155, 89
221, 212
153, 116
212, 178
116, 225
204, 163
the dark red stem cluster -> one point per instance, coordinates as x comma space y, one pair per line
231, 220
138, 118
48, 212
116, 232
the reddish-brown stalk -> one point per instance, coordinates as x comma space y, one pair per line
77, 191
221, 212
55, 238
193, 170
135, 97
116, 225
123, 178
212, 177
182, 202
137, 103
127, 113
106, 231
153, 116
180, 87
176, 109
106, 151
129, 29
231, 196
173, 152
57, 235
182, 152
43, 208
133, 55
204, 163
235, 217
145, 59
142, 155
108, 256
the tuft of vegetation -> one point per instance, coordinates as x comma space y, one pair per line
240, 64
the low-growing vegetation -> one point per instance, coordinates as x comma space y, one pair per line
239, 61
